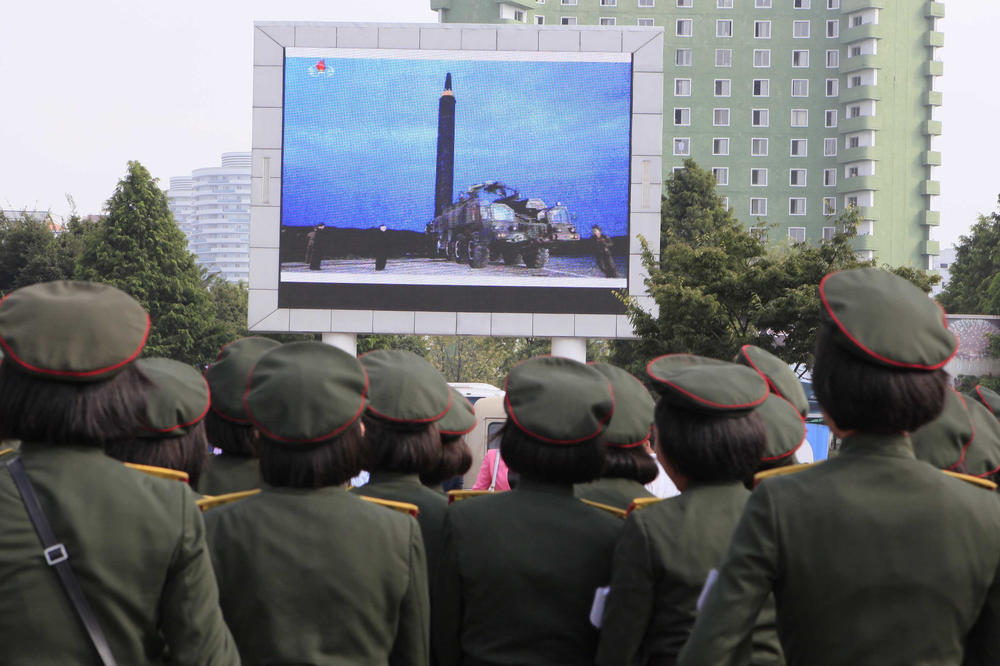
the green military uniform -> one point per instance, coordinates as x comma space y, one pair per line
989, 399
317, 575
228, 473
520, 569
135, 543
668, 548
619, 493
874, 557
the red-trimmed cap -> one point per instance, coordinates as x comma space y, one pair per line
558, 400
405, 388
632, 422
460, 419
786, 431
305, 392
983, 456
988, 398
886, 320
72, 331
178, 400
944, 441
707, 385
779, 377
227, 377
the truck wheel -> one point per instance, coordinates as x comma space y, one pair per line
461, 250
536, 258
480, 256
511, 257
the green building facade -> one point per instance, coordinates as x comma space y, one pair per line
800, 107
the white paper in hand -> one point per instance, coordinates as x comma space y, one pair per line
710, 579
597, 608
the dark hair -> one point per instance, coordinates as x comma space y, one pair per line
866, 397
187, 453
456, 459
557, 463
234, 438
42, 410
331, 462
404, 448
710, 448
632, 463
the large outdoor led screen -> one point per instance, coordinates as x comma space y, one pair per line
455, 180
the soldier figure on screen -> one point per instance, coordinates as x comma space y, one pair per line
314, 250
381, 247
602, 252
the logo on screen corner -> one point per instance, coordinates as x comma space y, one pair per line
320, 69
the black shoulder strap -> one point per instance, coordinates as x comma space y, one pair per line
57, 558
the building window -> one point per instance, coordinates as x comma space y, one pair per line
761, 87
800, 29
682, 57
684, 27
830, 118
800, 118
797, 177
645, 22
519, 15
855, 51
762, 4
682, 116
723, 87
762, 29
762, 57
682, 146
567, 20
682, 87
829, 206
797, 206
833, 58
857, 21
720, 117
828, 232
758, 147
853, 172
800, 148
721, 175
609, 3
854, 81
800, 4
759, 118
539, 19
830, 147
725, 202
833, 4
833, 28
724, 28
608, 21
723, 57
832, 87
720, 146
797, 234
854, 111
723, 4
758, 177
829, 177
851, 202
854, 141
685, 3
647, 3
758, 206
800, 58
800, 87
567, 2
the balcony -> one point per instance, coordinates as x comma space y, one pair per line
934, 38
934, 10
863, 31
848, 6
931, 218
930, 187
859, 183
864, 243
931, 158
933, 98
857, 123
848, 65
934, 68
930, 247
848, 95
857, 154
932, 127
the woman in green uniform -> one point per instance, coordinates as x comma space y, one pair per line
873, 557
456, 458
308, 572
709, 439
135, 544
521, 569
627, 466
226, 424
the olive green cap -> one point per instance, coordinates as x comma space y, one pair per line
707, 385
405, 388
460, 419
632, 421
988, 398
886, 320
227, 376
558, 400
305, 392
944, 441
72, 331
178, 400
983, 457
779, 377
786, 430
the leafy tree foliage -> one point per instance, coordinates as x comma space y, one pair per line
974, 287
28, 253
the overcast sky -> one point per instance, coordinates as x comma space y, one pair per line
87, 86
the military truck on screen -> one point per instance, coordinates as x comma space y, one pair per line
491, 221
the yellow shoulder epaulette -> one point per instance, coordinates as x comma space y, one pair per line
613, 510
4, 452
403, 507
211, 501
161, 472
459, 495
974, 480
779, 471
641, 503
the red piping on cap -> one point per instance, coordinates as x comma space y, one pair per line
231, 419
700, 399
513, 416
986, 403
191, 422
771, 385
805, 432
432, 419
857, 343
75, 373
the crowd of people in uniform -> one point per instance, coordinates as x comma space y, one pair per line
125, 540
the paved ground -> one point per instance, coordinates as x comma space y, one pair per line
563, 267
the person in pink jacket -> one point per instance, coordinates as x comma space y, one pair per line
492, 473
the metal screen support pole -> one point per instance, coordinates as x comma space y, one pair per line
574, 348
346, 341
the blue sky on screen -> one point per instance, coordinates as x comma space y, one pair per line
361, 139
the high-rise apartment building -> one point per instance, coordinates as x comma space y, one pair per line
212, 207
799, 107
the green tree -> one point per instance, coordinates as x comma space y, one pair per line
28, 253
138, 248
971, 288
